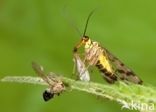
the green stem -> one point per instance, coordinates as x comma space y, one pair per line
124, 94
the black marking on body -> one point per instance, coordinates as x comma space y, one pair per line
108, 76
104, 71
99, 66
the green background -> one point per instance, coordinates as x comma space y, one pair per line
37, 30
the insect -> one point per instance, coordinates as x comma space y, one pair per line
111, 68
56, 86
83, 73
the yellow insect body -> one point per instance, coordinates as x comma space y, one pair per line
95, 56
111, 67
105, 62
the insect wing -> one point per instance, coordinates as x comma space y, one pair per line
40, 72
81, 69
123, 71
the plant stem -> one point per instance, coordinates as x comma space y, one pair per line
120, 92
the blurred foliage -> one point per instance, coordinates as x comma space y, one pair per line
36, 30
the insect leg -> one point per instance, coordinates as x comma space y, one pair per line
74, 67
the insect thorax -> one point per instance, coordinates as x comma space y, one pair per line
95, 53
92, 52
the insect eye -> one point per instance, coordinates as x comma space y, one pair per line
85, 38
47, 95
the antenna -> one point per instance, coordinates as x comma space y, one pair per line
86, 25
70, 20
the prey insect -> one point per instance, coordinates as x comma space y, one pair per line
56, 86
83, 73
111, 68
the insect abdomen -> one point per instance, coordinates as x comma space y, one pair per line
108, 76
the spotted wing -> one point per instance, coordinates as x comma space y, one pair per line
121, 70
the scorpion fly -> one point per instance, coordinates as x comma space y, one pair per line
111, 68
56, 86
83, 73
